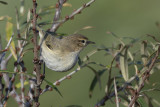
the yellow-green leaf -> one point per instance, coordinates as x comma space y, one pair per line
18, 85
9, 32
67, 5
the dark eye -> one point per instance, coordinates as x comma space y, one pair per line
49, 46
83, 41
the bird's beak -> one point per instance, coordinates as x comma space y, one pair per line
90, 42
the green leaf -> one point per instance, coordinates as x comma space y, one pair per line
144, 52
94, 82
140, 102
79, 61
18, 85
44, 23
53, 86
124, 97
4, 71
156, 102
124, 63
3, 2
96, 74
118, 38
148, 100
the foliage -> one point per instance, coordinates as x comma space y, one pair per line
133, 66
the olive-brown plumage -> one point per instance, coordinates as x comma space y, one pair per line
61, 54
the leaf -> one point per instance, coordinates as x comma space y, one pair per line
140, 102
53, 86
94, 82
4, 71
144, 52
28, 15
118, 38
117, 77
124, 64
3, 2
79, 61
22, 7
124, 97
87, 27
96, 74
9, 33
133, 41
156, 102
44, 23
2, 18
67, 5
84, 28
148, 100
132, 59
18, 85
116, 93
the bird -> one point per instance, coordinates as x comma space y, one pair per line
61, 54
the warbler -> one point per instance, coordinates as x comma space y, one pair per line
61, 54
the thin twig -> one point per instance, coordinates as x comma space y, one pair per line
71, 16
112, 94
116, 93
80, 67
9, 57
8, 44
110, 70
9, 84
67, 76
59, 6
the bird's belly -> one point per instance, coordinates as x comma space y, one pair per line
59, 63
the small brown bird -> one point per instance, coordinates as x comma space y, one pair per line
61, 54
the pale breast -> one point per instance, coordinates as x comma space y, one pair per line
59, 62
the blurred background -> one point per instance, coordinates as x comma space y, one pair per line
126, 18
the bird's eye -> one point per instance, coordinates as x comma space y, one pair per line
83, 41
49, 46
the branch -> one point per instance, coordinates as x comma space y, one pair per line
55, 26
9, 57
146, 75
112, 94
59, 6
9, 83
36, 57
68, 76
8, 44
